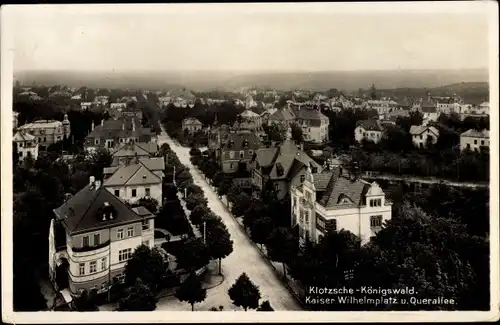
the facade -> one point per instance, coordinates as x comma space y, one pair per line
48, 132
370, 130
334, 200
135, 181
101, 233
236, 151
474, 140
249, 120
421, 135
284, 166
191, 124
111, 134
27, 145
85, 106
314, 124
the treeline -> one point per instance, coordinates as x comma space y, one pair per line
435, 247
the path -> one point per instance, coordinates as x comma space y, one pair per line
245, 256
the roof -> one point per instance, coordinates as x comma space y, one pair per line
309, 114
419, 129
427, 109
22, 136
249, 114
153, 164
290, 159
80, 213
39, 124
265, 156
134, 174
322, 179
370, 125
142, 211
139, 148
237, 139
269, 111
282, 115
476, 134
341, 186
191, 120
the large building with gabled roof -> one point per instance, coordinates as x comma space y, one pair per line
101, 232
334, 200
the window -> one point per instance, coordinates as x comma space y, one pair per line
242, 154
148, 191
250, 152
145, 225
231, 165
81, 268
231, 154
420, 137
320, 223
475, 141
302, 178
306, 214
119, 234
124, 254
21, 153
375, 221
97, 239
134, 192
96, 141
276, 186
117, 192
376, 203
482, 142
93, 267
85, 241
44, 139
103, 263
130, 232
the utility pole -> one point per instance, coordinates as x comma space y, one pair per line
109, 267
204, 232
173, 177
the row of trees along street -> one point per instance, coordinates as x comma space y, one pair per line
438, 248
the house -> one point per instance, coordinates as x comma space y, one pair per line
284, 116
85, 106
474, 140
334, 200
26, 145
370, 130
314, 124
101, 100
236, 151
267, 113
284, 166
135, 181
30, 95
484, 108
48, 132
421, 135
382, 106
99, 234
191, 124
392, 117
154, 164
126, 151
249, 102
118, 106
249, 120
112, 133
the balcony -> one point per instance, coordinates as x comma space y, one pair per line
90, 248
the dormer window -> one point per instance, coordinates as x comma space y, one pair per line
279, 170
107, 212
302, 178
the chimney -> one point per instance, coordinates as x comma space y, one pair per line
102, 122
97, 185
123, 126
301, 146
92, 128
133, 124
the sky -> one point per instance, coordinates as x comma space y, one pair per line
246, 40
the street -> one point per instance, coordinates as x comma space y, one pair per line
244, 258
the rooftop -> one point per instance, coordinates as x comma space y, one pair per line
476, 133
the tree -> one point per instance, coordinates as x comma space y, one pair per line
260, 229
282, 246
100, 159
276, 132
265, 306
297, 134
191, 290
219, 241
149, 203
194, 152
195, 199
86, 301
241, 203
148, 265
138, 298
198, 213
244, 293
15, 154
193, 255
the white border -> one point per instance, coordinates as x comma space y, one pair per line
8, 13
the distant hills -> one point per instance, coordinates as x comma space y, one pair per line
458, 80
